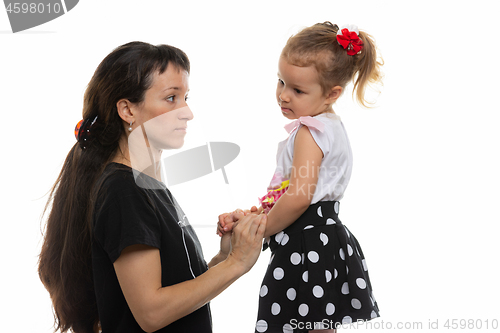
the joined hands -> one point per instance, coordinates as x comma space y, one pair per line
228, 221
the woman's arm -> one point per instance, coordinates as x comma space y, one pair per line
307, 158
139, 273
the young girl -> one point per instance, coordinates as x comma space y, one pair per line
317, 277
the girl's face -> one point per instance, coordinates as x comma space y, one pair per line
298, 92
164, 111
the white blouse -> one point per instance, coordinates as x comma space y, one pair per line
336, 166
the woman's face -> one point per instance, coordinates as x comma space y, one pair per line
164, 111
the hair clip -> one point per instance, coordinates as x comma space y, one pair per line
82, 131
348, 38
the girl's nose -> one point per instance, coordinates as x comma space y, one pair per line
282, 94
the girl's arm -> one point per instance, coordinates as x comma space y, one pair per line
307, 158
139, 273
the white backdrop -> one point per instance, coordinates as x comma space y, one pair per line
423, 196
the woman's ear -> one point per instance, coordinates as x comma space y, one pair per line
334, 94
124, 107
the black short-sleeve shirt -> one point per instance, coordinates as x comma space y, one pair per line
132, 208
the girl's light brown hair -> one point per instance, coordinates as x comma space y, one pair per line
317, 46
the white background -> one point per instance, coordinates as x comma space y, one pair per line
423, 196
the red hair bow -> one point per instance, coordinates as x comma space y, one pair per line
350, 41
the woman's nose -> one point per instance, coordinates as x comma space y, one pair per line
186, 113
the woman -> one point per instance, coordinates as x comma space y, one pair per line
118, 253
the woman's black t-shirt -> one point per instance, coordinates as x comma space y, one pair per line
132, 208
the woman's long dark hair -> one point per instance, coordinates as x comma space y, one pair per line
65, 263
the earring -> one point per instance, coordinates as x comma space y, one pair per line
130, 127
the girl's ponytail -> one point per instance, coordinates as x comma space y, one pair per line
368, 68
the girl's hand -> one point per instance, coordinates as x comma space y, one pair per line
227, 220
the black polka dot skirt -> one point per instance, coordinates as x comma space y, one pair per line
317, 276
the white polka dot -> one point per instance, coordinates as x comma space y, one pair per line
287, 328
278, 273
373, 314
371, 299
275, 309
342, 255
308, 227
295, 258
335, 273
261, 326
336, 207
303, 257
285, 239
291, 294
279, 236
330, 309
320, 213
324, 238
346, 320
318, 292
305, 276
346, 270
345, 288
365, 267
347, 232
263, 291
330, 221
349, 250
313, 256
361, 283
356, 303
357, 251
303, 310
328, 276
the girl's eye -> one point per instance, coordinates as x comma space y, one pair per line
298, 91
280, 81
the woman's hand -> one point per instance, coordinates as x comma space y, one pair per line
229, 220
246, 240
225, 245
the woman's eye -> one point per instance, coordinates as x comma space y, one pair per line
186, 98
170, 98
